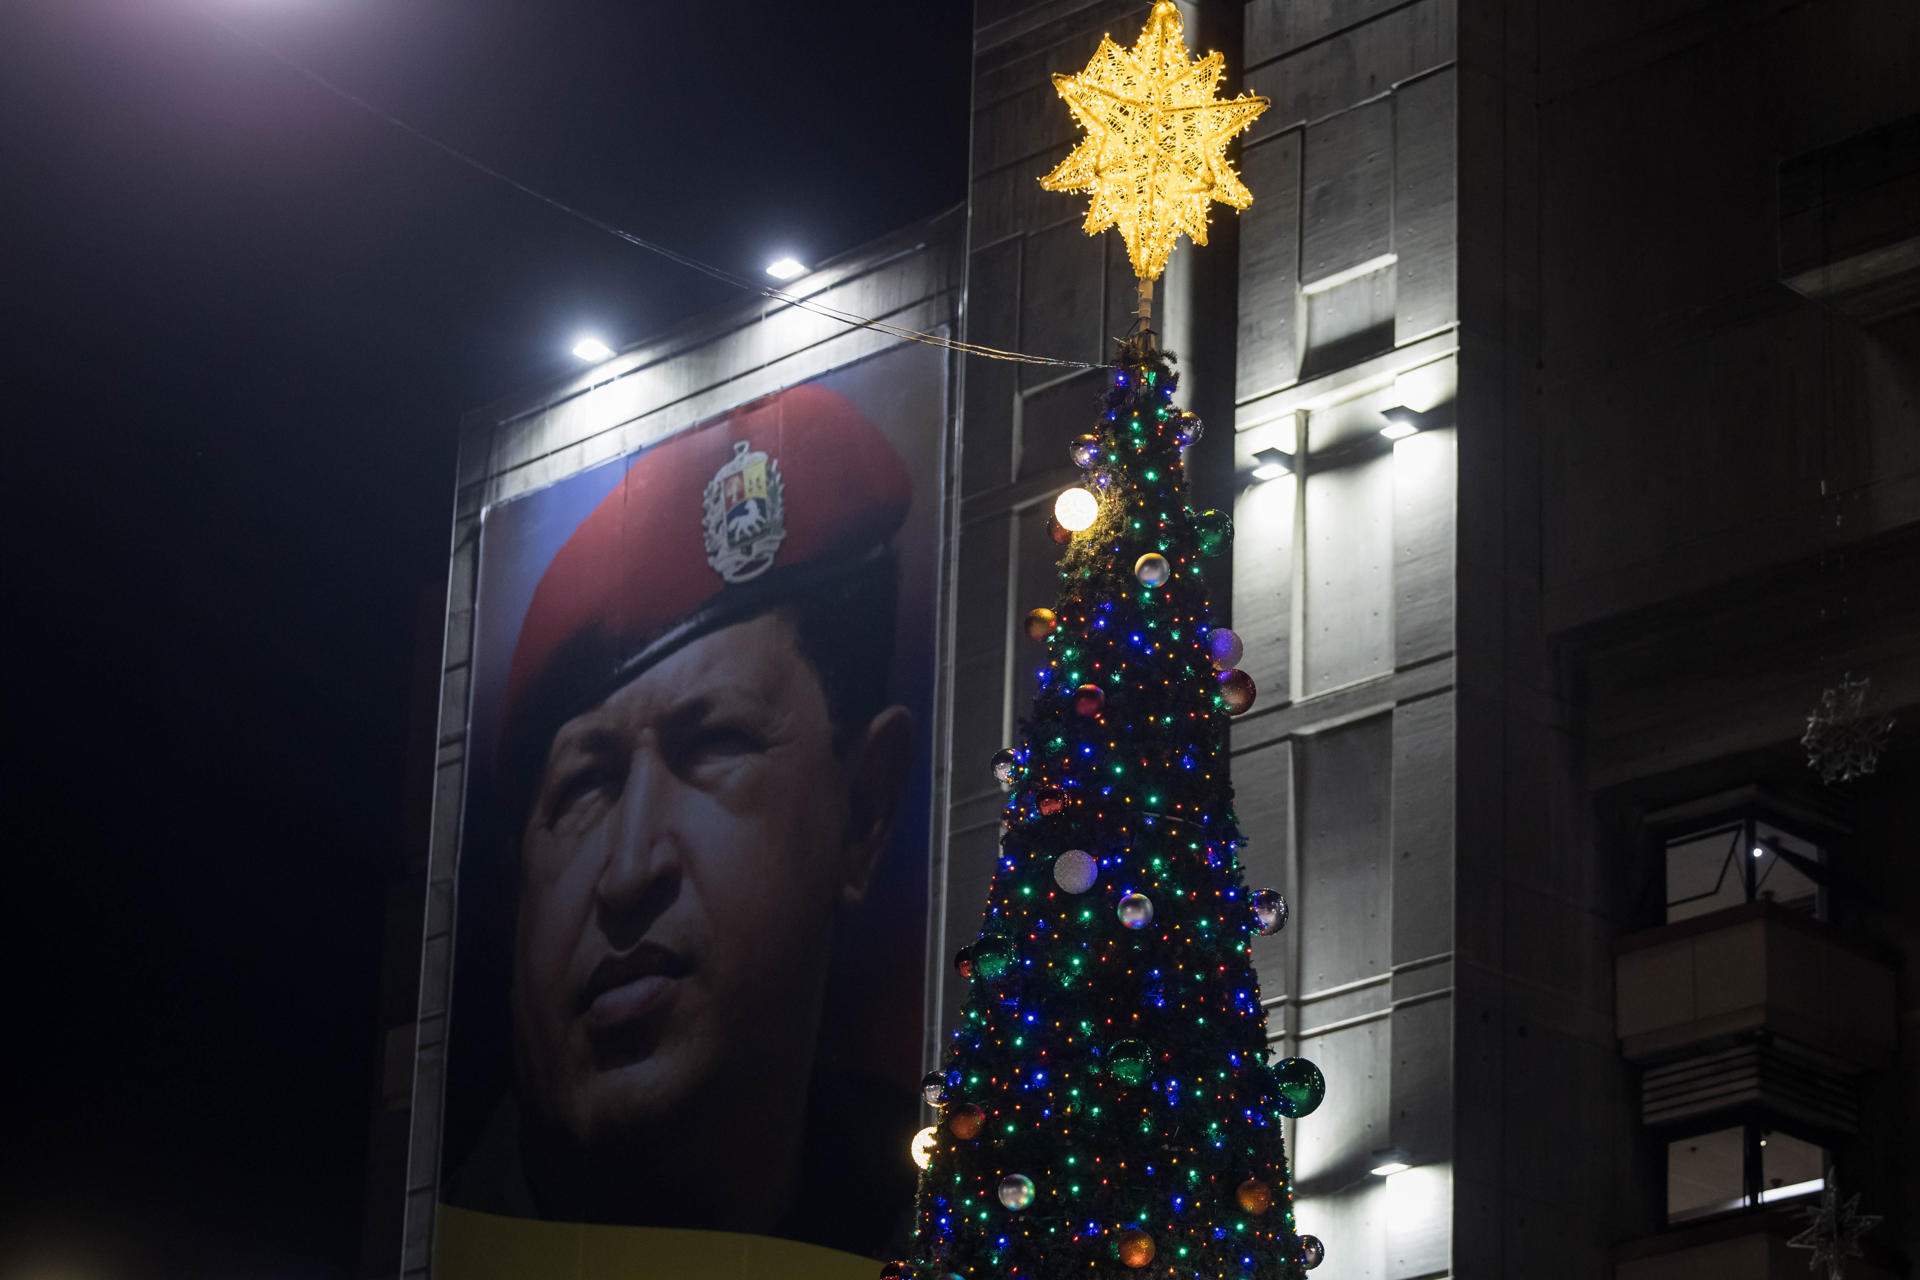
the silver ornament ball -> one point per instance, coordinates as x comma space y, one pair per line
1135, 911
1312, 1252
1075, 871
1269, 911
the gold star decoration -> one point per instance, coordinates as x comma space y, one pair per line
1155, 152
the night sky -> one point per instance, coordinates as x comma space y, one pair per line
243, 319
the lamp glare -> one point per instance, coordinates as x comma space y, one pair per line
1398, 430
1390, 1168
924, 1144
592, 350
1076, 509
785, 268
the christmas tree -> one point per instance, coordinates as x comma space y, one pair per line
1106, 1105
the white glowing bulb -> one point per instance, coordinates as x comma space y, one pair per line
1076, 509
785, 268
923, 1144
592, 350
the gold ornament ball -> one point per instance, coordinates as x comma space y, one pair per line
1041, 622
1134, 1248
1255, 1196
965, 1122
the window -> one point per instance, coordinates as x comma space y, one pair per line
1740, 1167
1737, 859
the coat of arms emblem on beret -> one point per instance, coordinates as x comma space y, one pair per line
745, 514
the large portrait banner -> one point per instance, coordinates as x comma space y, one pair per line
691, 897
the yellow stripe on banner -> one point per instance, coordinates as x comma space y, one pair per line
469, 1245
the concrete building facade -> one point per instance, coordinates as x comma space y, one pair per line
1646, 280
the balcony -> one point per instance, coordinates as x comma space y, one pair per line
1747, 1246
1755, 968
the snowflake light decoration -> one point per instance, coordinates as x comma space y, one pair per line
1155, 152
1833, 1230
1842, 741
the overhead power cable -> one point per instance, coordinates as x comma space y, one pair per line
784, 296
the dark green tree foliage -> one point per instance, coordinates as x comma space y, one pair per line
1106, 1105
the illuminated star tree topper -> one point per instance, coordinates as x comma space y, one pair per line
1154, 157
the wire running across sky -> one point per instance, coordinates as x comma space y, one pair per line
813, 305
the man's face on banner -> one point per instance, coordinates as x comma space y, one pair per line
688, 843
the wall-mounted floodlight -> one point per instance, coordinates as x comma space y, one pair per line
592, 350
786, 268
1387, 1163
1401, 422
1271, 464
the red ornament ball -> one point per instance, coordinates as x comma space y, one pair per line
1088, 699
966, 1122
963, 962
1255, 1196
1237, 691
1058, 532
1050, 801
1134, 1248
897, 1271
1041, 622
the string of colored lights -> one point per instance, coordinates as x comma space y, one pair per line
783, 296
1106, 1097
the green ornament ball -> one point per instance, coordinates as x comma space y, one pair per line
1300, 1085
1212, 532
993, 956
1129, 1061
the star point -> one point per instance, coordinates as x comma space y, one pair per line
1154, 155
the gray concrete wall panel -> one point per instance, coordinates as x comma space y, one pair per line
1062, 300
1425, 204
1423, 781
1264, 800
1347, 214
1344, 896
1425, 474
1269, 356
1263, 583
1352, 66
1348, 571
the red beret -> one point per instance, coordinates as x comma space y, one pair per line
711, 526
